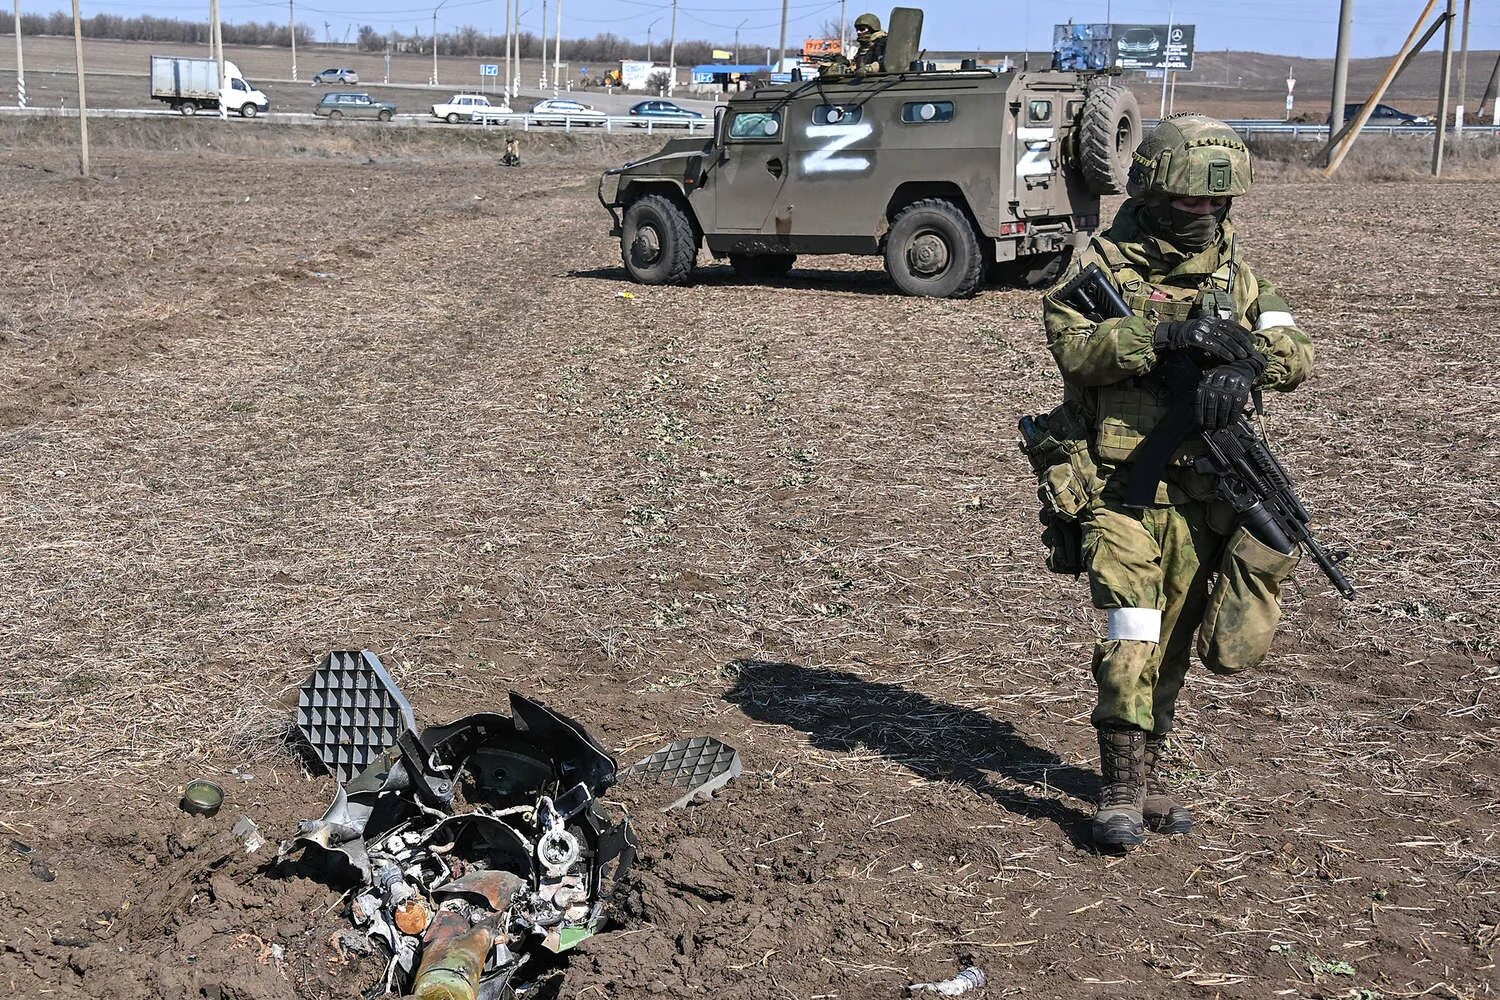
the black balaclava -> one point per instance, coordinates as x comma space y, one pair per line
1187, 231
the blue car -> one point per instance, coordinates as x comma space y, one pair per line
664, 113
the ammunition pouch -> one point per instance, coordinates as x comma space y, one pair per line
1057, 445
1244, 607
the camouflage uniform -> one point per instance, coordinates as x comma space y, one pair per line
869, 57
1150, 569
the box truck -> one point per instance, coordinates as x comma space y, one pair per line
187, 84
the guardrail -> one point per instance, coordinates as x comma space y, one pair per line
608, 124
1311, 130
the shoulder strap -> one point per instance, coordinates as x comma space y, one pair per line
1120, 268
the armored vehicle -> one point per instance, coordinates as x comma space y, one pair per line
945, 173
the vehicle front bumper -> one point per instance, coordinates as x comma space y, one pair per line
609, 197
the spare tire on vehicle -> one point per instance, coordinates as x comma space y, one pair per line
1108, 133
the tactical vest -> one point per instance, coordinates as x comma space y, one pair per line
1126, 412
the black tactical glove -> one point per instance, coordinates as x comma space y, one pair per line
1223, 391
1208, 340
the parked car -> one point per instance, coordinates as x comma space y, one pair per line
1384, 114
560, 110
343, 75
664, 113
470, 108
353, 104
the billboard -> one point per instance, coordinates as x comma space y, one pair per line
1153, 46
1126, 46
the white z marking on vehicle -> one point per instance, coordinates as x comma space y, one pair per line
839, 138
1036, 160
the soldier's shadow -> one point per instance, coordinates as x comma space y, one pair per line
841, 711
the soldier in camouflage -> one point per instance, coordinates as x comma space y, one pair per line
1173, 254
869, 56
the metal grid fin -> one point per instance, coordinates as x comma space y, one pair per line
350, 710
699, 764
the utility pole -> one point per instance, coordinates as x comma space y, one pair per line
1463, 74
83, 104
1441, 132
217, 30
434, 42
20, 69
291, 23
1166, 72
1340, 143
672, 54
556, 52
648, 37
1341, 67
843, 30
507, 50
781, 59
737, 28
1489, 93
542, 75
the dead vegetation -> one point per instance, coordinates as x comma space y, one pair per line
410, 404
1379, 158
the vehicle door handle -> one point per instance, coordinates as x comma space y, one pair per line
774, 166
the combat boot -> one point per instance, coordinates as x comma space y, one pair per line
1161, 812
1122, 764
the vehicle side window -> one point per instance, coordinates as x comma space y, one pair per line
837, 114
238, 84
756, 125
927, 112
1075, 108
1040, 112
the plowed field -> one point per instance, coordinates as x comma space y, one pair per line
266, 395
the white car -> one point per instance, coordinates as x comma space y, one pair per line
469, 108
560, 111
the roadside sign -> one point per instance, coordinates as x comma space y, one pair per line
1150, 47
489, 69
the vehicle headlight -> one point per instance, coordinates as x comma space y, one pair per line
609, 188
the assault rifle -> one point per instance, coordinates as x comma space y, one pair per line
1247, 475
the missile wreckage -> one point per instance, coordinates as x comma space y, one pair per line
472, 848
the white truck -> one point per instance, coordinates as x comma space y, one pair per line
471, 108
187, 84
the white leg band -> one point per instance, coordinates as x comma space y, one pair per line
1270, 319
1139, 624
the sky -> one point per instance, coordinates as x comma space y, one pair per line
1285, 27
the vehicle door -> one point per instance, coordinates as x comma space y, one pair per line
361, 106
751, 169
1040, 186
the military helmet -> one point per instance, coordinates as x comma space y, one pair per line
1190, 156
867, 21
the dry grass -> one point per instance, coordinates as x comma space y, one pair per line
1380, 158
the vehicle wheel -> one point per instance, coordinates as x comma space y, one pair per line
932, 250
452, 118
334, 116
657, 242
248, 110
384, 116
1108, 133
762, 266
187, 109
